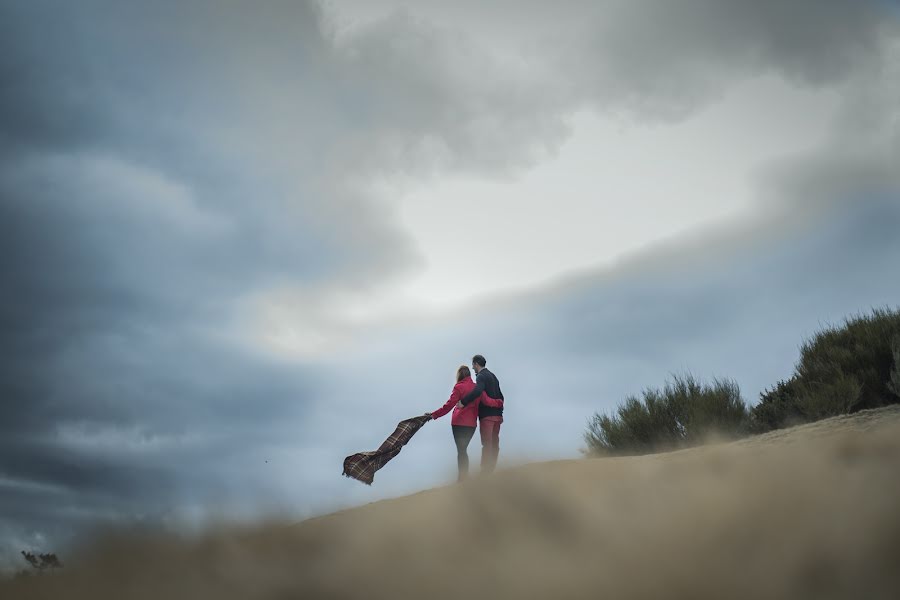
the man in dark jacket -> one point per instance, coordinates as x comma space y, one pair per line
490, 411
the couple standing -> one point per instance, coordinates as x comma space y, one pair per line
471, 402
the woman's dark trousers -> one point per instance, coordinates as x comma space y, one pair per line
462, 436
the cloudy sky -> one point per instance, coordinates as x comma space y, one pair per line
242, 240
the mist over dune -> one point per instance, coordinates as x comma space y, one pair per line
809, 512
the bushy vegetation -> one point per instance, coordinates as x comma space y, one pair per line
841, 370
777, 408
683, 413
894, 385
39, 563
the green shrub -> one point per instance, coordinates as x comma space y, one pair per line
838, 396
777, 407
841, 370
683, 413
40, 564
894, 384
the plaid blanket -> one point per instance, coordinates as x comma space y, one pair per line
362, 465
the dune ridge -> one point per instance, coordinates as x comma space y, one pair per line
808, 512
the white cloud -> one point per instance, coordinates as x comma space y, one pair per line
615, 187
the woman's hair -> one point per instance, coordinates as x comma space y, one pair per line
462, 372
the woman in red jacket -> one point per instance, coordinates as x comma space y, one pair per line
464, 418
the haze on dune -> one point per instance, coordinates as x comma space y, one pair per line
809, 512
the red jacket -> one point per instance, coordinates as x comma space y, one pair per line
466, 416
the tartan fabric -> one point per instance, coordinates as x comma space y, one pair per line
362, 465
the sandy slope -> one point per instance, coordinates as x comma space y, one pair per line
810, 512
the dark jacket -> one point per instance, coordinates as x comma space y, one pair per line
491, 404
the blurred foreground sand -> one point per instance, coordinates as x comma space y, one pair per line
810, 512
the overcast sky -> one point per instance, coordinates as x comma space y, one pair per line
240, 241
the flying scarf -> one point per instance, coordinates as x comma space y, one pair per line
362, 465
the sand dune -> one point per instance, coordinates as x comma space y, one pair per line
810, 512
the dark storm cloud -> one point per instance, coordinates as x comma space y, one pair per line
493, 93
654, 59
162, 160
440, 100
670, 56
159, 161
